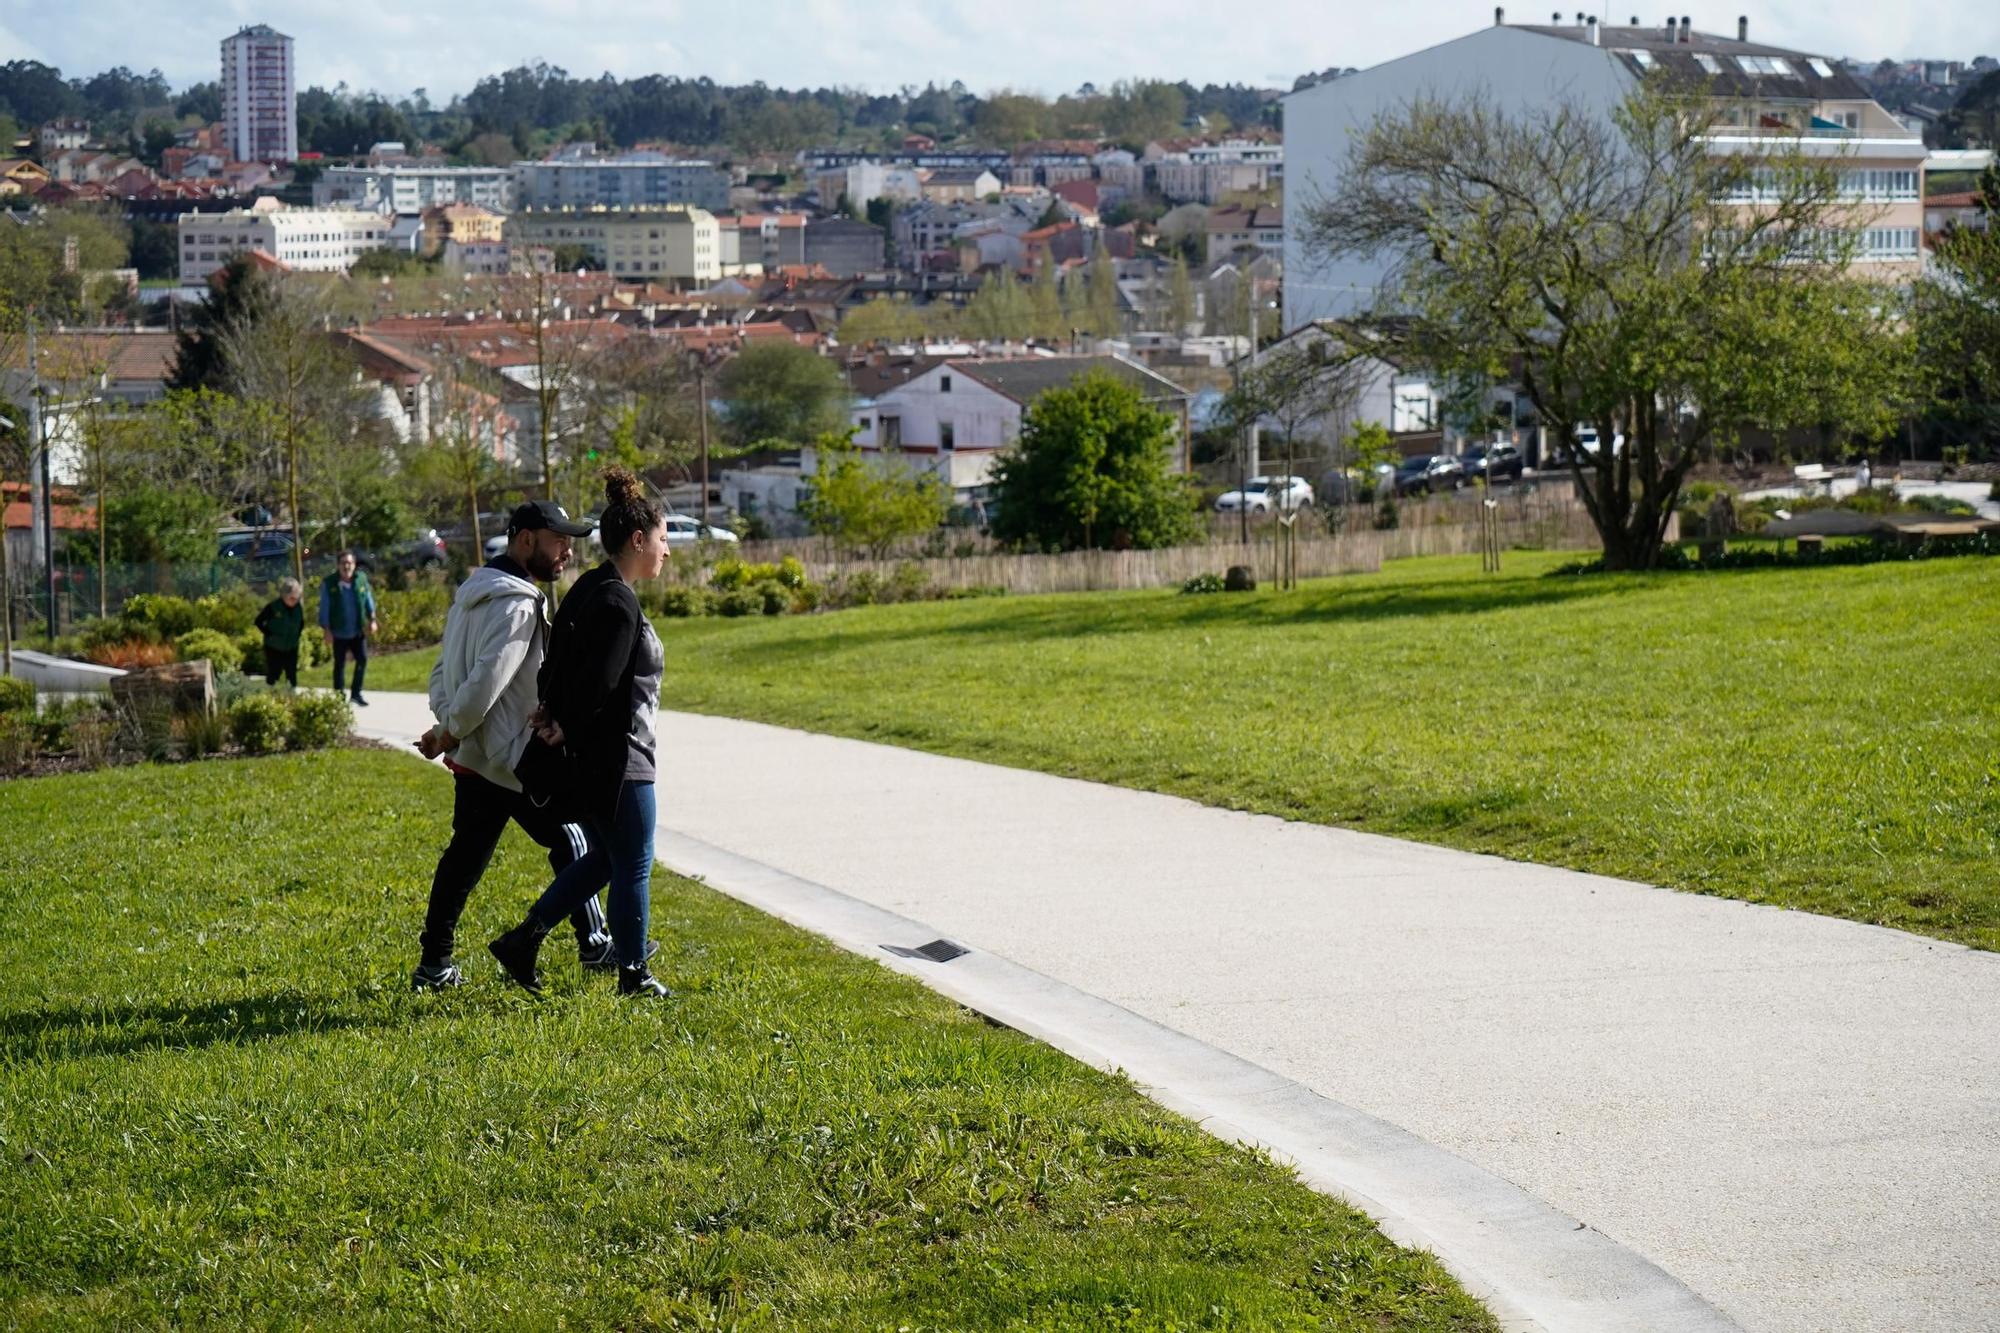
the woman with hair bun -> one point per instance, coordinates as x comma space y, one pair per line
600, 687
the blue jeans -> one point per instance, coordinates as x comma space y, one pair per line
622, 849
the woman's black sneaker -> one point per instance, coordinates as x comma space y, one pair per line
517, 951
638, 981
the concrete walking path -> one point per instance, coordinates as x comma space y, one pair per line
1796, 1117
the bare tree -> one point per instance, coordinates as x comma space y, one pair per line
1629, 275
286, 362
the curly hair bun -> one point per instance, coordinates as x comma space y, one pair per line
621, 487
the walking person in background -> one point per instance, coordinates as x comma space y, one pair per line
482, 692
347, 619
283, 622
600, 689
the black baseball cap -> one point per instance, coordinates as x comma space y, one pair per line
545, 514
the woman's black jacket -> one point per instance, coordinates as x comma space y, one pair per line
586, 682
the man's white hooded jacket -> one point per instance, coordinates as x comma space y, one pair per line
483, 687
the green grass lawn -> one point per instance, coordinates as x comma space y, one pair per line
220, 1106
1825, 739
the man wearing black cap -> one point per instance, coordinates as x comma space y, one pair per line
482, 692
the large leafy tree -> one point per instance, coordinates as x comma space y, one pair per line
776, 391
1093, 468
1598, 261
1958, 319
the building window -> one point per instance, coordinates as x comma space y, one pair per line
1708, 63
946, 439
944, 385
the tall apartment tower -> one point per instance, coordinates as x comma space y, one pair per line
259, 109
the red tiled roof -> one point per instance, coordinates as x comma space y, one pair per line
140, 355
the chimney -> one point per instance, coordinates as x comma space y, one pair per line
1592, 26
1579, 18
1742, 27
1673, 33
1687, 30
1499, 17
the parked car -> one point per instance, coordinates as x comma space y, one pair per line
1428, 472
1496, 462
1260, 495
685, 531
424, 551
260, 554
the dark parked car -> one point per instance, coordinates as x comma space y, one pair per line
1427, 473
1495, 462
260, 554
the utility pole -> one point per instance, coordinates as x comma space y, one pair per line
701, 411
38, 433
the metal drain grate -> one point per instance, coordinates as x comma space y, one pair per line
937, 951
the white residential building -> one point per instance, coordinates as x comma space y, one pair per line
865, 181
672, 245
259, 99
626, 180
409, 188
307, 240
1767, 98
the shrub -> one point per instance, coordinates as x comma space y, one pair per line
1940, 504
730, 572
807, 597
1388, 517
861, 589
906, 583
102, 632
231, 612
413, 617
739, 602
251, 644
165, 616
318, 720
220, 650
89, 738
975, 590
18, 741
1202, 583
791, 572
679, 600
260, 722
201, 733
16, 695
133, 654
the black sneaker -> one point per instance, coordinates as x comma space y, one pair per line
358, 701
436, 976
516, 952
604, 958
637, 981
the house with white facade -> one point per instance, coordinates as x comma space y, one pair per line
953, 416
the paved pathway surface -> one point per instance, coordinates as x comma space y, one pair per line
1797, 1117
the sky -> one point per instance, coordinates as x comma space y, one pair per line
1045, 46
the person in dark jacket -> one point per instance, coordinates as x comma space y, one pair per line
283, 621
600, 688
347, 619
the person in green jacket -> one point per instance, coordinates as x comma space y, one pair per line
283, 620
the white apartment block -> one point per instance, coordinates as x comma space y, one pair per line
408, 188
673, 244
1768, 99
628, 180
866, 181
259, 107
306, 240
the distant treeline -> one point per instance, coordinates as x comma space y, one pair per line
529, 107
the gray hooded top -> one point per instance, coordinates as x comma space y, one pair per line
483, 686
